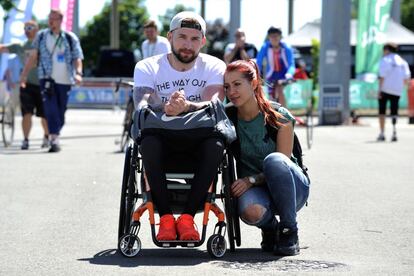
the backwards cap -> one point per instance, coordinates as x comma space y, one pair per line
188, 19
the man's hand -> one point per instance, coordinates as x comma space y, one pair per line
78, 79
23, 80
177, 104
240, 186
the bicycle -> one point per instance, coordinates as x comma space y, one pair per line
7, 120
127, 121
310, 103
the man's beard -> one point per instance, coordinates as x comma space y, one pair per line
182, 59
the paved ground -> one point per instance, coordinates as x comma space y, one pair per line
59, 212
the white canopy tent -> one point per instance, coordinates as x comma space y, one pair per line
396, 33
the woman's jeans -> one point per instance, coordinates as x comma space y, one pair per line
285, 192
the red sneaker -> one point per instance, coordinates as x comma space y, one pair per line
185, 228
167, 231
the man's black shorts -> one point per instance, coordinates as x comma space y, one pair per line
382, 103
31, 100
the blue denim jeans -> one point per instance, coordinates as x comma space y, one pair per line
55, 106
285, 192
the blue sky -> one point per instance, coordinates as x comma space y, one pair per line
257, 15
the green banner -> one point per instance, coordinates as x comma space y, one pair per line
372, 22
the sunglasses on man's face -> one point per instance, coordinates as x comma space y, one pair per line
29, 28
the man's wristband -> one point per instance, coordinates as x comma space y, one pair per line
79, 74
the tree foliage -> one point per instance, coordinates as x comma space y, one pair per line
407, 14
169, 14
7, 5
96, 34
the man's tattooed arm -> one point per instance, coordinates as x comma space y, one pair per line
144, 96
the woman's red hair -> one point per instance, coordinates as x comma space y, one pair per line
250, 71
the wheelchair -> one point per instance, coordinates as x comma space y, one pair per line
135, 189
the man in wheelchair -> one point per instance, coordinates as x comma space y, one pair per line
177, 83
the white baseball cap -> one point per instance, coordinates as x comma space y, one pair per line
180, 20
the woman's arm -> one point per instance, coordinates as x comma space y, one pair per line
284, 139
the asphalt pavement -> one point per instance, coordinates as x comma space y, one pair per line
59, 212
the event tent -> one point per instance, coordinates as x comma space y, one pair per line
395, 33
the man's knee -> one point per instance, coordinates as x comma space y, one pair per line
253, 214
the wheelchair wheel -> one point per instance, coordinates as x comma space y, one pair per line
230, 204
309, 129
216, 246
129, 245
124, 140
128, 198
7, 120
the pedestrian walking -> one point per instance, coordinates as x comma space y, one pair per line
394, 76
59, 57
30, 97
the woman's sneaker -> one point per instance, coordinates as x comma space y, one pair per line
288, 242
167, 231
268, 240
185, 228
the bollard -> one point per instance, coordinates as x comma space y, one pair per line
410, 106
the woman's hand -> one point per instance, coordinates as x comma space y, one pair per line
240, 186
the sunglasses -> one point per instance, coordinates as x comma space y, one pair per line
29, 28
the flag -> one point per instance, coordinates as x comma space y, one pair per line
373, 18
14, 27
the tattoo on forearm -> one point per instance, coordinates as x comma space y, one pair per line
192, 107
143, 96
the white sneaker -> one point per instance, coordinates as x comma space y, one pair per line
45, 143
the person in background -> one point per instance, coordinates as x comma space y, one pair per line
394, 76
300, 71
280, 64
59, 58
154, 44
270, 182
240, 49
30, 97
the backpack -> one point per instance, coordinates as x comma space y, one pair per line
231, 112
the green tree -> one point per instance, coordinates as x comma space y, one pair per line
315, 51
407, 14
169, 14
96, 34
7, 5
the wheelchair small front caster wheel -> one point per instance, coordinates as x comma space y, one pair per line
129, 245
216, 246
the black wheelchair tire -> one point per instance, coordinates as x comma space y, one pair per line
235, 207
7, 120
123, 206
229, 202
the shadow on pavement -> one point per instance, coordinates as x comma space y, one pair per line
177, 257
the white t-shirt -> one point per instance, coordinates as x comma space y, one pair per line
59, 69
156, 72
161, 46
394, 69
